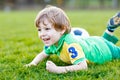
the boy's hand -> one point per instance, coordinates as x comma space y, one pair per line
51, 67
30, 64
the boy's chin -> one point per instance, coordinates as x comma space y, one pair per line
48, 44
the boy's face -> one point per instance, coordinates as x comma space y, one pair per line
48, 34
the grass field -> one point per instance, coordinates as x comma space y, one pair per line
19, 44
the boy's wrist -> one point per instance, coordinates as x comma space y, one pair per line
33, 63
62, 70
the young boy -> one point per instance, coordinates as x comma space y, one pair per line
54, 30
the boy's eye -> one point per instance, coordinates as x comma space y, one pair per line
39, 29
47, 28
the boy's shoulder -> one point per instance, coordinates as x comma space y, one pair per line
70, 38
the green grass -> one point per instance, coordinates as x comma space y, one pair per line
19, 44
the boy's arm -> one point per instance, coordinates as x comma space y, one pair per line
37, 59
51, 67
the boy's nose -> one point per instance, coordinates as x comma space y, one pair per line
42, 33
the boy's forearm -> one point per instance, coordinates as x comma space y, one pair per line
51, 67
80, 66
39, 58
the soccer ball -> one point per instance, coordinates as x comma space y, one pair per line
79, 32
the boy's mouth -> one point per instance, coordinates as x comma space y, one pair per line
46, 39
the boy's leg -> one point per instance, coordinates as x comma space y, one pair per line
110, 38
113, 23
115, 50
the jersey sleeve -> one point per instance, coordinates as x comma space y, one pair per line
76, 53
47, 50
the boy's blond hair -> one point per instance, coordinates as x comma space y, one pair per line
56, 16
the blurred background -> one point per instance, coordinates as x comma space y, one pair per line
19, 42
8, 5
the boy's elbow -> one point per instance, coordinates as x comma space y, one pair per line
83, 65
86, 66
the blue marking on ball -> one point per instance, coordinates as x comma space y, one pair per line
77, 32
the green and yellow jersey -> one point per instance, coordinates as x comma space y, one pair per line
72, 49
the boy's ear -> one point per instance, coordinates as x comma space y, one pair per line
63, 31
